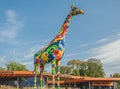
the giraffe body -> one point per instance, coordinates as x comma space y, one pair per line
54, 51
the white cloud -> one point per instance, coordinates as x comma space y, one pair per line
72, 54
109, 52
2, 61
106, 49
103, 40
19, 54
11, 16
10, 27
108, 39
22, 53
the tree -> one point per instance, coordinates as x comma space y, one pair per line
65, 70
117, 75
92, 67
75, 65
95, 68
2, 68
83, 69
15, 66
71, 64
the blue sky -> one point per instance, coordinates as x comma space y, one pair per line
28, 25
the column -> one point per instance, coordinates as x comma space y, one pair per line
74, 85
83, 87
69, 84
110, 87
92, 87
17, 82
89, 85
99, 87
114, 85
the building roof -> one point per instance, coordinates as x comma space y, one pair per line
71, 78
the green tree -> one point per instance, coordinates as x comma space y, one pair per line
83, 69
15, 66
71, 64
2, 68
95, 68
65, 70
75, 65
117, 75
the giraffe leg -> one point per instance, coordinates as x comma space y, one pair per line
53, 72
58, 74
41, 75
35, 76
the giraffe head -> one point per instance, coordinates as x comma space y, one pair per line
76, 11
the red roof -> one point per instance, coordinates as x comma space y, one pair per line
70, 77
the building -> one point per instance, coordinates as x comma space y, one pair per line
25, 78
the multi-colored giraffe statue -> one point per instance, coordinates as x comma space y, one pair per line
54, 51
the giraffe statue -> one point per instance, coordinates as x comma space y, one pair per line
54, 51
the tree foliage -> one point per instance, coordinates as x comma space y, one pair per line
2, 68
75, 66
95, 68
65, 70
117, 75
92, 67
15, 66
83, 69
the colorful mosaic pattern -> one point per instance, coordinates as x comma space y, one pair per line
54, 51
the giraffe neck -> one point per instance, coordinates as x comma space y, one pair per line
64, 29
